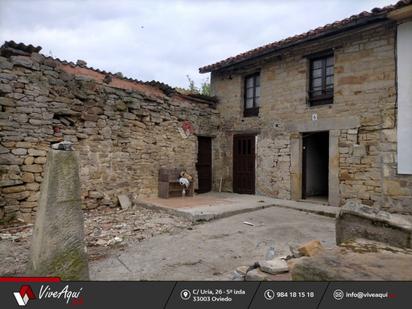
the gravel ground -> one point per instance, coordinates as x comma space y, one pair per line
107, 231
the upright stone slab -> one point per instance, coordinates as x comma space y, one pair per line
58, 246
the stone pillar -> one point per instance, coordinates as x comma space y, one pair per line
334, 198
295, 166
58, 246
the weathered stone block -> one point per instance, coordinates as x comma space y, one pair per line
28, 204
124, 201
19, 151
58, 246
34, 197
14, 189
364, 261
311, 248
3, 149
129, 116
5, 64
394, 188
275, 266
26, 216
360, 221
6, 101
10, 182
22, 61
5, 88
18, 196
242, 270
40, 160
121, 106
29, 161
10, 159
37, 153
34, 168
24, 145
33, 186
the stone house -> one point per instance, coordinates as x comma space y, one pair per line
323, 116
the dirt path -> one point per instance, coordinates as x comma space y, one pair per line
213, 250
108, 231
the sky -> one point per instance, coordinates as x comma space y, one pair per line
163, 40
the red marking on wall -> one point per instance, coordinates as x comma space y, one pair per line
116, 82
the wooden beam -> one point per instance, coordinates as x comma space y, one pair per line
401, 14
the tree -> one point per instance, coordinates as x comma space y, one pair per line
204, 88
192, 86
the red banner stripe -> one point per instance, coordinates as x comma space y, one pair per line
30, 279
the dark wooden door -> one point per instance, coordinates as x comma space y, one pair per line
244, 164
204, 164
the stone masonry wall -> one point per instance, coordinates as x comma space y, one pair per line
123, 130
364, 93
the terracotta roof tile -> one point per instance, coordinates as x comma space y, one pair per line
353, 20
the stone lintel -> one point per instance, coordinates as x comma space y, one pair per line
326, 124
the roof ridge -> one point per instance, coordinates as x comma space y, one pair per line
375, 12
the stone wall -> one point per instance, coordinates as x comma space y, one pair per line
362, 119
124, 130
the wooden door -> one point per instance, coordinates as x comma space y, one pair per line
204, 164
244, 164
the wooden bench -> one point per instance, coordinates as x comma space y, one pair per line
169, 185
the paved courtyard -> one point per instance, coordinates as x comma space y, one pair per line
212, 250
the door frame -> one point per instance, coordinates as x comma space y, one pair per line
296, 163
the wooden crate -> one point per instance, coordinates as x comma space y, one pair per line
169, 185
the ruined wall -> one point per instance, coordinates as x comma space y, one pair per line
363, 118
124, 130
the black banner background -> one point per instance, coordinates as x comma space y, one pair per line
181, 295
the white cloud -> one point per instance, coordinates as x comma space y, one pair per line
163, 40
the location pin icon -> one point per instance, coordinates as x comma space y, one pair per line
185, 294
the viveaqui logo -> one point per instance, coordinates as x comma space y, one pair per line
65, 294
24, 295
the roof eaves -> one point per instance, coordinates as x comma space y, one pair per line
330, 32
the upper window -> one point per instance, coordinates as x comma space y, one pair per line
252, 95
321, 80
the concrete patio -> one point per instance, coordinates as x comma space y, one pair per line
213, 250
215, 205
